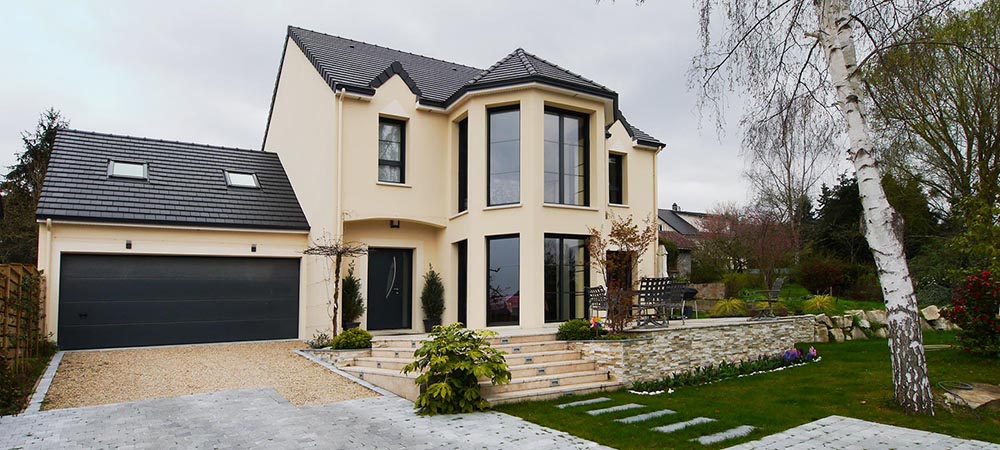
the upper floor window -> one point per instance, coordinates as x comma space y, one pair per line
463, 165
391, 150
616, 179
567, 174
504, 156
241, 179
125, 169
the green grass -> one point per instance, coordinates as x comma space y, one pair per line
853, 379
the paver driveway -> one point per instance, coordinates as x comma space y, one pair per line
261, 418
100, 377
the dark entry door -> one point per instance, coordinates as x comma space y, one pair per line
136, 300
390, 295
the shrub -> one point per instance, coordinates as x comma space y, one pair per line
353, 303
352, 338
737, 283
723, 370
576, 330
432, 296
864, 284
933, 294
976, 309
821, 274
453, 361
320, 340
730, 307
820, 304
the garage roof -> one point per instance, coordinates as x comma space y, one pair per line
185, 184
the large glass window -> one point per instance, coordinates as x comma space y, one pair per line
616, 171
504, 160
566, 276
462, 249
503, 286
463, 165
567, 175
391, 150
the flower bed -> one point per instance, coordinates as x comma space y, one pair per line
711, 373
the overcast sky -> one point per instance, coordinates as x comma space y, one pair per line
204, 71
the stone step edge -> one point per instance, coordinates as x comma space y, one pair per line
554, 376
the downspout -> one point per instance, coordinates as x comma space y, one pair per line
340, 164
47, 270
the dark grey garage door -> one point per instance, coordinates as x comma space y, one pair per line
123, 301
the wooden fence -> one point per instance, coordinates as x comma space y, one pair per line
21, 313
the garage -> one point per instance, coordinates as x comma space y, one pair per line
137, 300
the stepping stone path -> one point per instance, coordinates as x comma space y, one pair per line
583, 402
739, 431
647, 416
682, 425
707, 439
615, 409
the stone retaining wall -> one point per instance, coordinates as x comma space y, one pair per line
655, 354
858, 324
713, 291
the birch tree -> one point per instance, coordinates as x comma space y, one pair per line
809, 49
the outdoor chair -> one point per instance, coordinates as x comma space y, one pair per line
597, 298
657, 299
771, 297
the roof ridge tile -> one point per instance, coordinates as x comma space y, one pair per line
522, 55
166, 141
290, 27
557, 66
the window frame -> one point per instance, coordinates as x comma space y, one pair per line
112, 174
489, 257
585, 120
621, 157
463, 165
489, 151
401, 164
229, 179
559, 282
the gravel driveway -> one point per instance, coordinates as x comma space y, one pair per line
100, 377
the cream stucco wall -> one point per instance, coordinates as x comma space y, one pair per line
425, 204
62, 238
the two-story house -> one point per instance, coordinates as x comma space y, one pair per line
490, 176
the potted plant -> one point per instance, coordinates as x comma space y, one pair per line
354, 303
432, 299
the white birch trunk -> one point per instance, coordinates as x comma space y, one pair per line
883, 226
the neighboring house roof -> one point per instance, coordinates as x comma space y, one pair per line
360, 67
683, 242
675, 221
186, 184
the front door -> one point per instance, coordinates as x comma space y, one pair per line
390, 283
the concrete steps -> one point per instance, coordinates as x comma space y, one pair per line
541, 368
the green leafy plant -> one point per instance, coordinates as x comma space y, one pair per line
452, 361
432, 296
352, 338
320, 340
730, 307
820, 304
354, 303
976, 309
739, 284
576, 330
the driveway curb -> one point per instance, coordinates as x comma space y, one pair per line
44, 383
305, 354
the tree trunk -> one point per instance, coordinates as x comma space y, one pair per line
883, 226
336, 293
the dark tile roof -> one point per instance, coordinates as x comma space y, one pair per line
186, 184
676, 222
360, 67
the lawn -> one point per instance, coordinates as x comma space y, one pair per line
853, 379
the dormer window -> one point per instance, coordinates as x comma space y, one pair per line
241, 179
124, 169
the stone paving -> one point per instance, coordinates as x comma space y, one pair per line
261, 418
847, 433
